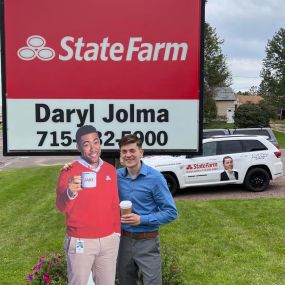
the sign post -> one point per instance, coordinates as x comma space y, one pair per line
122, 66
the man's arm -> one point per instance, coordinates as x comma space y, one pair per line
164, 200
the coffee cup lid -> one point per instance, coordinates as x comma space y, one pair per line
126, 204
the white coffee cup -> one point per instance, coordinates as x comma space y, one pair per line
126, 207
88, 179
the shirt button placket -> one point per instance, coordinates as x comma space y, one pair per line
132, 189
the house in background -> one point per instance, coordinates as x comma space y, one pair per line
245, 99
225, 101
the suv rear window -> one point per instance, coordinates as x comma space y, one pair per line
253, 145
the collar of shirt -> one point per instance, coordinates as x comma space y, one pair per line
231, 175
86, 164
143, 171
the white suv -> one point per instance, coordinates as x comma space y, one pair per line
235, 159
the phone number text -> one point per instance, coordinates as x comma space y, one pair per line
108, 139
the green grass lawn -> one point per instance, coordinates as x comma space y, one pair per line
280, 136
218, 125
217, 242
282, 122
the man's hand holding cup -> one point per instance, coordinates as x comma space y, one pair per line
127, 217
74, 185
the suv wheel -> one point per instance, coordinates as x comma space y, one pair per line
171, 182
256, 180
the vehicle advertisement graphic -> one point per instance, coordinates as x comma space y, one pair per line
198, 167
259, 156
122, 66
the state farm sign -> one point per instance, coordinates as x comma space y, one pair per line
122, 66
78, 50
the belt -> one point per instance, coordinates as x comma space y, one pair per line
140, 235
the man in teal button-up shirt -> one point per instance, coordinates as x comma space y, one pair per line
152, 206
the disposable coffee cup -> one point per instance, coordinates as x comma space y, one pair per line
126, 207
88, 179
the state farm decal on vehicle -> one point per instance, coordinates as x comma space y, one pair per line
196, 167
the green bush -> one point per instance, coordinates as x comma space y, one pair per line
250, 116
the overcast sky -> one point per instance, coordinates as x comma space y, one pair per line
245, 26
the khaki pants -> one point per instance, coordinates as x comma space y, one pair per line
99, 257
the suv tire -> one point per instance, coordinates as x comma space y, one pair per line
256, 180
171, 182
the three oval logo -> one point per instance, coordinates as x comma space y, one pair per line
36, 48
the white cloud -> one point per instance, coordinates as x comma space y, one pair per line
245, 26
245, 73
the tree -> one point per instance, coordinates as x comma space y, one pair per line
272, 86
253, 91
210, 108
216, 70
267, 109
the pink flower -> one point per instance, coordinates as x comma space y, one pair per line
38, 267
41, 259
46, 278
30, 277
50, 269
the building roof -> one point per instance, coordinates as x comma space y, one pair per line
243, 99
224, 94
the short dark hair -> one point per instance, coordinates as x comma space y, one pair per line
227, 157
128, 139
84, 130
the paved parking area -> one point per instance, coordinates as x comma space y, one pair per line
11, 162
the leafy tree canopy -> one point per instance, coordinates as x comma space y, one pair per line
216, 70
272, 86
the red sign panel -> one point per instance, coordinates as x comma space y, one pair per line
101, 50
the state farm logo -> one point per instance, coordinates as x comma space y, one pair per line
196, 167
36, 48
78, 49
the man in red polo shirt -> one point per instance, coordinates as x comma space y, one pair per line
92, 214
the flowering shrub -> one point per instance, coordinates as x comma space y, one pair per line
51, 269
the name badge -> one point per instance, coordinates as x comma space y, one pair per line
79, 247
